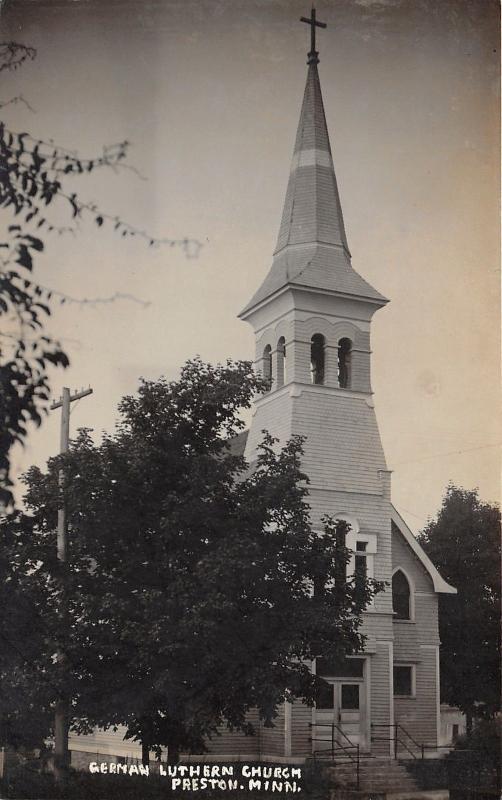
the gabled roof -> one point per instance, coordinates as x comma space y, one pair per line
440, 585
312, 249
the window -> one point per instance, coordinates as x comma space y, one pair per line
454, 733
281, 361
340, 667
267, 363
403, 681
360, 566
364, 548
324, 696
401, 595
340, 559
317, 358
344, 350
350, 696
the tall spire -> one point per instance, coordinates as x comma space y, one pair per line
312, 210
312, 250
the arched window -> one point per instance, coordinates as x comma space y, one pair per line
317, 358
401, 600
344, 348
267, 364
281, 361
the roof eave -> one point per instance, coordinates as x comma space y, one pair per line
440, 585
249, 309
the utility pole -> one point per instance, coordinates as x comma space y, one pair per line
61, 720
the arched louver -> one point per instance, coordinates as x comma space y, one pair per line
317, 358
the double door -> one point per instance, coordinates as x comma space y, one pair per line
340, 715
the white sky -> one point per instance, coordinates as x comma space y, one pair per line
209, 95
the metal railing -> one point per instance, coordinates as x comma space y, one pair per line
336, 746
398, 735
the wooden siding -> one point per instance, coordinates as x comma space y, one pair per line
403, 556
272, 739
418, 715
405, 641
380, 699
301, 732
343, 450
233, 744
106, 743
408, 636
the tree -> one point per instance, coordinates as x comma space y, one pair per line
464, 543
36, 182
190, 576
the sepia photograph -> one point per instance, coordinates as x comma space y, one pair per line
250, 399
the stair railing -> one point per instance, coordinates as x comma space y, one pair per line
396, 739
352, 751
420, 747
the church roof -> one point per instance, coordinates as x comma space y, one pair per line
440, 585
312, 249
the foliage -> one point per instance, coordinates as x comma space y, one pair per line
464, 543
189, 580
474, 766
485, 741
35, 183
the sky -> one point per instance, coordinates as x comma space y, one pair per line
208, 93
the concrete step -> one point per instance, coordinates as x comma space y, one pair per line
381, 776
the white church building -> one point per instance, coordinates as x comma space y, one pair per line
311, 317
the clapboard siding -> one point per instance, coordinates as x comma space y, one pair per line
272, 739
380, 698
418, 715
403, 556
426, 615
301, 732
106, 743
234, 743
343, 449
405, 641
408, 636
271, 415
377, 626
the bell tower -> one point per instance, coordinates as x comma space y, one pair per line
312, 318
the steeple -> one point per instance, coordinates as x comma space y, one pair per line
312, 250
312, 210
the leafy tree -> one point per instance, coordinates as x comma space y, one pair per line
189, 578
464, 543
36, 186
474, 763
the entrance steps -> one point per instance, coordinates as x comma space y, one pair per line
379, 775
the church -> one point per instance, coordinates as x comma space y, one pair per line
311, 318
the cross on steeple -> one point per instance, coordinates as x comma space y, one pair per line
313, 55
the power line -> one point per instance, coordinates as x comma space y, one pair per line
450, 453
410, 512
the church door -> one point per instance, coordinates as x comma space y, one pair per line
340, 714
